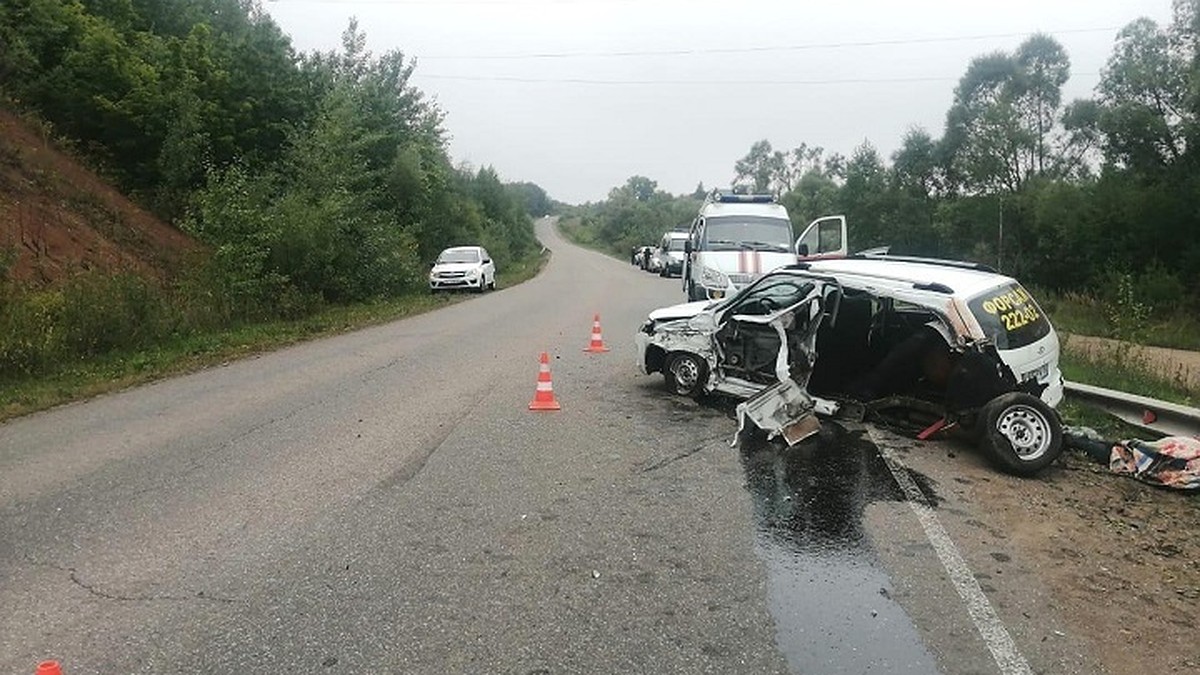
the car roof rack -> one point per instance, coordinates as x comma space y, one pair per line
959, 264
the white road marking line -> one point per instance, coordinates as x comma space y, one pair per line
987, 622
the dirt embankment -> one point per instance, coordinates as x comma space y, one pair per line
58, 218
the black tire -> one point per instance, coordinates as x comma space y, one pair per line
1020, 433
685, 374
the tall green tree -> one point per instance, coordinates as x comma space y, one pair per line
1145, 93
1005, 110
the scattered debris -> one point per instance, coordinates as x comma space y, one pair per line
1172, 462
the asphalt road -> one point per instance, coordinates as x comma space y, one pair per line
383, 501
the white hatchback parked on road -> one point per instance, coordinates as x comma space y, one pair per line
463, 267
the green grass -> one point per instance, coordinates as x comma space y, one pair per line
117, 371
1121, 370
1075, 414
1087, 315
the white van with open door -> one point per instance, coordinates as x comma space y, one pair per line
737, 238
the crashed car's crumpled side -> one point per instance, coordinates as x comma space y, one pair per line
874, 339
786, 408
750, 347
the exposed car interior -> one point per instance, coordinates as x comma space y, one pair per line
877, 348
749, 350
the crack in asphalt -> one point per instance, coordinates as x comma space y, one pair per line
73, 575
199, 595
683, 455
409, 471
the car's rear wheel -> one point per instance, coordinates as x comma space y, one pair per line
1021, 433
685, 373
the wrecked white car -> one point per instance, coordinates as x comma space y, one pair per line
933, 343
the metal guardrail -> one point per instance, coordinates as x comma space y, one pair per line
1159, 417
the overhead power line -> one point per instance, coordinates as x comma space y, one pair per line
760, 49
581, 80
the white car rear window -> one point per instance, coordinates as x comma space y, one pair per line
1010, 317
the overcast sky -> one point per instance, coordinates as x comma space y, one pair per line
579, 95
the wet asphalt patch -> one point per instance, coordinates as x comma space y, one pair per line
828, 593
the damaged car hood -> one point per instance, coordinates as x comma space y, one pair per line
684, 310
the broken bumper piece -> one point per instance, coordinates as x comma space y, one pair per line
783, 409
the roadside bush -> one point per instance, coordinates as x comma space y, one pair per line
92, 314
29, 335
1127, 313
101, 314
1162, 290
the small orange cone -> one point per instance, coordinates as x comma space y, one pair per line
48, 668
597, 344
543, 398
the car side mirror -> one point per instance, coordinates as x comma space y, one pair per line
687, 246
802, 250
487, 260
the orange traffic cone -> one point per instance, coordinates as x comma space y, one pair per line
48, 668
543, 398
597, 344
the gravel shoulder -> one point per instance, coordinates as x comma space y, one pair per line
1117, 559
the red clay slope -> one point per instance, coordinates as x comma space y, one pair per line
58, 218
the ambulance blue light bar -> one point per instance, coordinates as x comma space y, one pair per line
734, 198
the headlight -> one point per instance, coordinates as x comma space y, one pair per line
472, 274
713, 278
648, 328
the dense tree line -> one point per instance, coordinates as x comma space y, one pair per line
634, 214
314, 177
1085, 193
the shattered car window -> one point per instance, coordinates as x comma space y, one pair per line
772, 296
1010, 317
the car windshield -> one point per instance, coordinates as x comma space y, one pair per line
1010, 317
459, 256
733, 233
674, 244
773, 294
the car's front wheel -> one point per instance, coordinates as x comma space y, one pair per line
685, 374
1022, 434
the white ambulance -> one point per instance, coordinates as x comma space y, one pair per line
737, 238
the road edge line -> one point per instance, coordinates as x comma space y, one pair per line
987, 622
